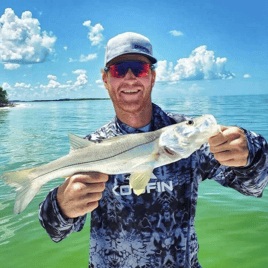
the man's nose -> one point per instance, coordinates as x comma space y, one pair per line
130, 74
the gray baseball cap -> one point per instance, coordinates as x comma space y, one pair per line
129, 43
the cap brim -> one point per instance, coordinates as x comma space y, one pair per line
152, 59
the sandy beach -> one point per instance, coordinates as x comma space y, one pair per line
7, 106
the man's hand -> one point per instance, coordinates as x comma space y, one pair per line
80, 193
229, 147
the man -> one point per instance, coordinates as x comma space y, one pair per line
155, 229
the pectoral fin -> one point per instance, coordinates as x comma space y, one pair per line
139, 180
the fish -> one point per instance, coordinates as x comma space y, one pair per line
138, 154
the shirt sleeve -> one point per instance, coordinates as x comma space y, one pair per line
57, 226
249, 180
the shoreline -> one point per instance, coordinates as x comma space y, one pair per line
7, 105
79, 99
15, 103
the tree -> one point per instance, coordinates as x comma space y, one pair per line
3, 96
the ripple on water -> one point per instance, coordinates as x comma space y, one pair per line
11, 223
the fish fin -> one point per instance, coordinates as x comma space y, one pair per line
138, 180
25, 186
78, 142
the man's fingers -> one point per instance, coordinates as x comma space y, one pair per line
84, 188
80, 193
90, 197
90, 177
229, 147
220, 148
84, 208
88, 207
231, 158
224, 156
220, 138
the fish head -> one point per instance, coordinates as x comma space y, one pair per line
182, 139
197, 129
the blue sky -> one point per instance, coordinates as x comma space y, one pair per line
55, 49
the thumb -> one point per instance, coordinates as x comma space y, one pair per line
223, 128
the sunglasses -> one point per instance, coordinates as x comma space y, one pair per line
138, 68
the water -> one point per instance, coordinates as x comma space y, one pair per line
232, 229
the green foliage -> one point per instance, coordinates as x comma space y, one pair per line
3, 96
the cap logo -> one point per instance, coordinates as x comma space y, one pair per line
141, 48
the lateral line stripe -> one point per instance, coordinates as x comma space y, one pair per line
95, 160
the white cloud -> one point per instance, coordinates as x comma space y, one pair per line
164, 72
52, 77
81, 82
84, 58
201, 64
65, 48
94, 35
100, 84
247, 76
6, 86
176, 33
22, 41
51, 84
79, 71
18, 90
89, 57
11, 66
22, 86
50, 90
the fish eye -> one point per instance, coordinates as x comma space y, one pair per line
190, 122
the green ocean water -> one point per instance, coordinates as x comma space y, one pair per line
232, 229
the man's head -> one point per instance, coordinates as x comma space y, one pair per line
129, 74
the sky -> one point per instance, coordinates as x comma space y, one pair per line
54, 49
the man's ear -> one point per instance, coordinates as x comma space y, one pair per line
153, 78
104, 76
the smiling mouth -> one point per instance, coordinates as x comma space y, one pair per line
130, 91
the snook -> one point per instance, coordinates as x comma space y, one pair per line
137, 154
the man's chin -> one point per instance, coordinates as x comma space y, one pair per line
135, 106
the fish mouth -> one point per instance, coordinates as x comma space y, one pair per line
210, 124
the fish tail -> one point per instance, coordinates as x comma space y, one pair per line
26, 187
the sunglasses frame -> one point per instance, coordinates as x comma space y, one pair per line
106, 69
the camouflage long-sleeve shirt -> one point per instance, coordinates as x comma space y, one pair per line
155, 229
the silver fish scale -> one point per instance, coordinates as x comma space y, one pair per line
120, 144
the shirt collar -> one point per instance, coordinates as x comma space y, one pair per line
125, 129
159, 119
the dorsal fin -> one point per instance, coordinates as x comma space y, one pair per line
78, 142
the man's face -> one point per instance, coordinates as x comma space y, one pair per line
130, 93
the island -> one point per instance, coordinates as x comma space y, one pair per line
4, 102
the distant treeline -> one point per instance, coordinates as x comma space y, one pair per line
81, 99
